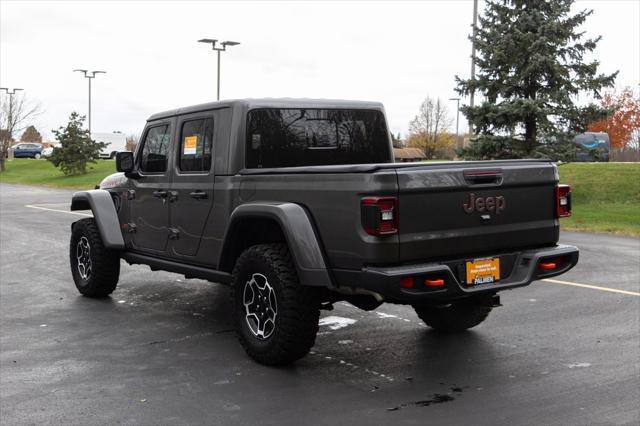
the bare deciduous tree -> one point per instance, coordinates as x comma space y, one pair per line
15, 113
132, 142
429, 130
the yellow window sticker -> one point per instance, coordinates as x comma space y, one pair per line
189, 145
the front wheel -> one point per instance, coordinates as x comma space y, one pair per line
95, 269
455, 317
36, 156
276, 318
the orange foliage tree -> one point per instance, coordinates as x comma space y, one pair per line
624, 119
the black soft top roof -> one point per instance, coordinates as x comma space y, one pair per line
270, 103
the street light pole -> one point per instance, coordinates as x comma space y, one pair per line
10, 92
457, 118
473, 59
89, 75
224, 45
218, 74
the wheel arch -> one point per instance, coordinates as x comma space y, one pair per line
99, 201
269, 222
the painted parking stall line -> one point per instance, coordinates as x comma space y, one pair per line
592, 287
41, 207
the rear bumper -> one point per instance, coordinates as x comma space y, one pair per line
385, 281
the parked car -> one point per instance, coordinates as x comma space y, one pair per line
48, 151
27, 150
298, 204
115, 142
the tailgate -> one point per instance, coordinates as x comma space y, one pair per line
474, 208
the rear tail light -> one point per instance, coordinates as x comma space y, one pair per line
380, 215
563, 200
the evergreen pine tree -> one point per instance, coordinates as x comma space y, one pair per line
530, 56
76, 147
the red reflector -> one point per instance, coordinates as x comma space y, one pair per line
434, 283
406, 282
547, 266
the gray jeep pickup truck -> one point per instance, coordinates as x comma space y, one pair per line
298, 204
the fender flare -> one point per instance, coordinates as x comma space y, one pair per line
104, 212
298, 232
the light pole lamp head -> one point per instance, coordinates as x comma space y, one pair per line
230, 43
211, 41
10, 92
97, 72
82, 71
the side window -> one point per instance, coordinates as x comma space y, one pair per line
196, 141
153, 157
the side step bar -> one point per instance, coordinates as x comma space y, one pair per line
189, 271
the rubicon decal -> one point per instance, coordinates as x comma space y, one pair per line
494, 204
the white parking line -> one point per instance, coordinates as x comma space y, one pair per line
592, 287
57, 210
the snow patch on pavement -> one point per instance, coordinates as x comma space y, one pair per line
383, 315
579, 365
336, 323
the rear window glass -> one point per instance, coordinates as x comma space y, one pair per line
315, 137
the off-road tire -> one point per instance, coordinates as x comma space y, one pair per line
298, 309
105, 263
453, 318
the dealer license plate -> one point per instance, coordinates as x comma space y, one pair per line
483, 271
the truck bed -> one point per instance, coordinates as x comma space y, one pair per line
433, 223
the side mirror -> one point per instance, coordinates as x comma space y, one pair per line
124, 161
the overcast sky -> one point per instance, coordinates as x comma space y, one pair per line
394, 52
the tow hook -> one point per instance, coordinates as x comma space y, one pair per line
494, 301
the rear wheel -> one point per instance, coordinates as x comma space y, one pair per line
95, 269
36, 156
455, 317
276, 318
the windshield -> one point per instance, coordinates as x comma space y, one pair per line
314, 137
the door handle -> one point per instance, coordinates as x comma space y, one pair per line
198, 195
160, 194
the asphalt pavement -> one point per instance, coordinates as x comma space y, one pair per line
161, 350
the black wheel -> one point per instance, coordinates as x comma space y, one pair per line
95, 269
453, 318
276, 318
